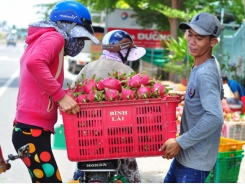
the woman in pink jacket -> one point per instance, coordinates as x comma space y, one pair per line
40, 84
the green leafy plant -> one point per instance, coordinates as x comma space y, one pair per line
234, 70
181, 61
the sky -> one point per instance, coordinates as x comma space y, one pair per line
20, 12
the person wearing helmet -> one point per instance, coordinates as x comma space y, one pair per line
40, 84
117, 45
118, 48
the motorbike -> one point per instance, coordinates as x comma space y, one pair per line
22, 153
103, 171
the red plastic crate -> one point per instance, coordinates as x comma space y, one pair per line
121, 129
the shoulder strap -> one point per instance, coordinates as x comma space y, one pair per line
61, 56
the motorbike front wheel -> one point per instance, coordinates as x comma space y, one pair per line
98, 177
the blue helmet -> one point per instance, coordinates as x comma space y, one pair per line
115, 37
117, 40
73, 12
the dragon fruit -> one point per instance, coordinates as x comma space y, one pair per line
127, 94
118, 86
99, 95
111, 94
158, 90
95, 96
88, 85
69, 91
100, 86
143, 92
91, 97
88, 88
137, 80
78, 87
119, 75
82, 98
110, 83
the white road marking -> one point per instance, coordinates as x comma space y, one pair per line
7, 84
6, 58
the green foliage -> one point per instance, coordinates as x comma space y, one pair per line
181, 62
175, 13
44, 9
234, 70
143, 19
158, 12
232, 9
224, 65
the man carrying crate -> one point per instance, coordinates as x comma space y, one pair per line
195, 150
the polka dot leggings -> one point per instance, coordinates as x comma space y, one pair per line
41, 164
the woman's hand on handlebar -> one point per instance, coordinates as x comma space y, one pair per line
68, 105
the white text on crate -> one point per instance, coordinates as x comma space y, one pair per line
118, 115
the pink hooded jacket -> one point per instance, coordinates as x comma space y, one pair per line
39, 90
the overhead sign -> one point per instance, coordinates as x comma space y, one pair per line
148, 37
122, 18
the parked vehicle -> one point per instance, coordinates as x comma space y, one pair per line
79, 61
12, 39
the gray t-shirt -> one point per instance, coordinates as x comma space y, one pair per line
202, 117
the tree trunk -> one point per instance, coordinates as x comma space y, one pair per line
174, 21
174, 33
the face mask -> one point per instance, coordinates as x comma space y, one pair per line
74, 46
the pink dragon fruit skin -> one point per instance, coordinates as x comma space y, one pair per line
111, 94
88, 88
112, 83
145, 79
69, 91
137, 80
91, 97
100, 86
132, 83
82, 98
158, 90
89, 85
78, 87
143, 92
127, 94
